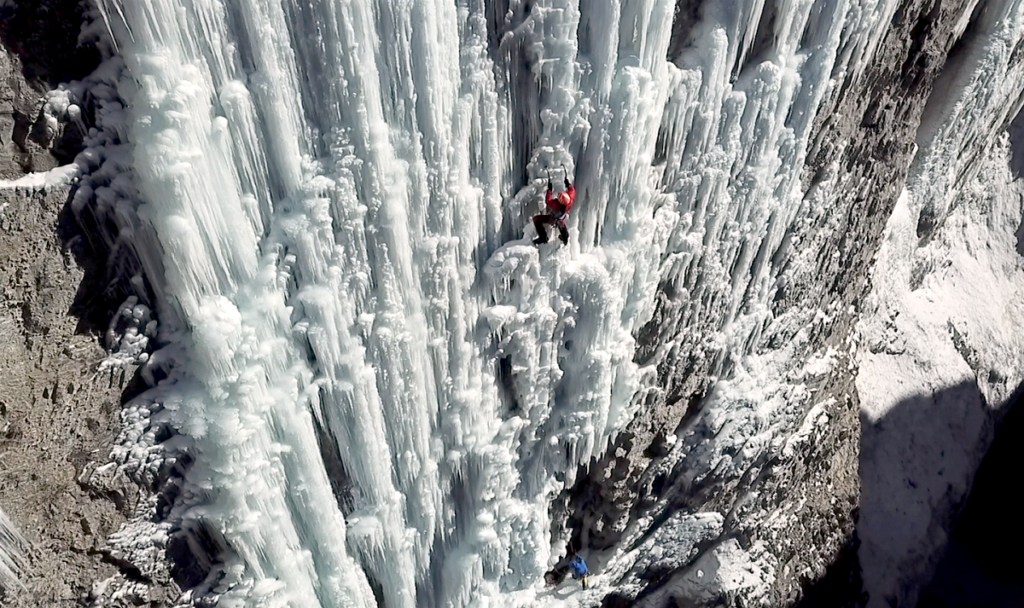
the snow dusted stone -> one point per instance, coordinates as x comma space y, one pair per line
931, 409
140, 548
724, 575
675, 543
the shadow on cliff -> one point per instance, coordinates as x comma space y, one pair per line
44, 36
105, 283
983, 563
917, 464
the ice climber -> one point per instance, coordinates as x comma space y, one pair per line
579, 570
559, 207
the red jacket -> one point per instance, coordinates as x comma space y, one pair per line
555, 204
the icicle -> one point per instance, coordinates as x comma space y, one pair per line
333, 203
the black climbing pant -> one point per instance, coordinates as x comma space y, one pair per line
542, 234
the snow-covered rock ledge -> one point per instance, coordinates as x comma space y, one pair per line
42, 180
61, 177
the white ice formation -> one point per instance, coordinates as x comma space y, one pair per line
127, 338
375, 384
13, 554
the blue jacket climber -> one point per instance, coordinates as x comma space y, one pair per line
579, 570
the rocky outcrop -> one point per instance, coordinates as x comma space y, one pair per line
59, 409
57, 413
38, 50
20, 103
44, 35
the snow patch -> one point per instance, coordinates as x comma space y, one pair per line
675, 543
941, 325
57, 177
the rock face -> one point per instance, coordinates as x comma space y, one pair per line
59, 414
44, 34
38, 50
19, 104
56, 412
795, 509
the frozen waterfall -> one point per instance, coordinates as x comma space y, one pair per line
379, 382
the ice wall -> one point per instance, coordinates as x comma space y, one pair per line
333, 216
